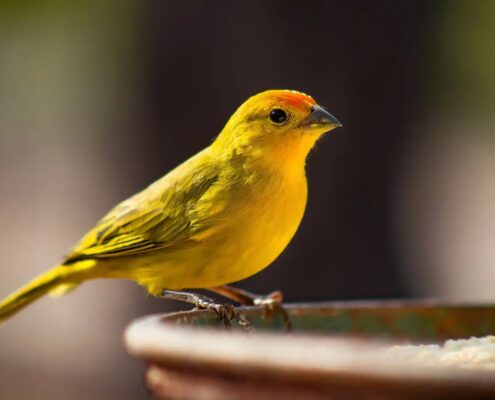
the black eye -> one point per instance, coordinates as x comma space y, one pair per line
278, 116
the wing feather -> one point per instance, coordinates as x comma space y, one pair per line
162, 215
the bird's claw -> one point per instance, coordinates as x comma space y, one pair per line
225, 312
271, 300
244, 323
273, 305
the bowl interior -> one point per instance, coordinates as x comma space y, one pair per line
412, 321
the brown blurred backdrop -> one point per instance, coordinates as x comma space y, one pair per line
98, 99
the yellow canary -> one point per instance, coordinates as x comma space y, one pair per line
221, 216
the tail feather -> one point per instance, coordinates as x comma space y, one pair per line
32, 291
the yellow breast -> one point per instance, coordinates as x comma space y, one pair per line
262, 225
269, 225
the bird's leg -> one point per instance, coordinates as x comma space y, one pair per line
225, 312
271, 301
247, 298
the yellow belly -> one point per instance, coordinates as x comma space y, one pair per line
263, 227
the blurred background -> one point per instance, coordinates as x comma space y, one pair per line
98, 99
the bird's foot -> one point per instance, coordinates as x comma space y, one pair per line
244, 323
271, 302
225, 312
273, 305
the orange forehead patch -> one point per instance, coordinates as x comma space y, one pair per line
297, 99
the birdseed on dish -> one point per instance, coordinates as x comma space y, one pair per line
473, 353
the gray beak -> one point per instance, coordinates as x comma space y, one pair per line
320, 117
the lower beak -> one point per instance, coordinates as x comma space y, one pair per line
321, 118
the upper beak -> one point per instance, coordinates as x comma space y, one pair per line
321, 118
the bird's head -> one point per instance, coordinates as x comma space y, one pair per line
276, 124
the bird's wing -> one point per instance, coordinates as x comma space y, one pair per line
162, 215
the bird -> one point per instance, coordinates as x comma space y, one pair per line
221, 216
